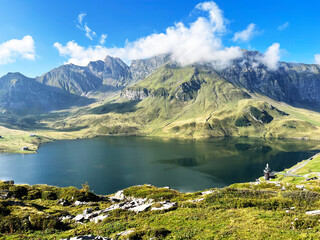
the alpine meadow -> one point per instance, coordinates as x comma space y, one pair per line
154, 119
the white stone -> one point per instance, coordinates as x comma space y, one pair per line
315, 212
165, 206
98, 218
141, 208
125, 233
207, 192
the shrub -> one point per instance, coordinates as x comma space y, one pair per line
74, 194
10, 224
242, 122
4, 211
42, 222
49, 195
305, 223
302, 198
151, 192
158, 233
18, 191
34, 194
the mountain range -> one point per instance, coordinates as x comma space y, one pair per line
157, 96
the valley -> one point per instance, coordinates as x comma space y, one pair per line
157, 97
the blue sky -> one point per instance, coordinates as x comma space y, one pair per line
48, 22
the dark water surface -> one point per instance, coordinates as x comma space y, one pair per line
112, 163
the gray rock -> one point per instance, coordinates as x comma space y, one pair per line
78, 203
4, 194
87, 237
141, 68
165, 206
315, 212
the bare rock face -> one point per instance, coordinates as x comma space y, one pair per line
135, 94
111, 74
19, 94
293, 83
72, 79
141, 68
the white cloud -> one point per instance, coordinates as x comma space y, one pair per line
283, 26
215, 14
198, 42
272, 56
245, 35
103, 39
17, 48
317, 58
84, 26
80, 17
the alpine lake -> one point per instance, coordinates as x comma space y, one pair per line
109, 164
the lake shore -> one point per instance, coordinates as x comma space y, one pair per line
145, 211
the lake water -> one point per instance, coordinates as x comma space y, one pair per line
109, 164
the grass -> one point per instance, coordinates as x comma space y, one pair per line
184, 103
241, 211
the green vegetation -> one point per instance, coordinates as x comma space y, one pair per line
240, 211
188, 103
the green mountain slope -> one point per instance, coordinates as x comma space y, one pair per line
190, 102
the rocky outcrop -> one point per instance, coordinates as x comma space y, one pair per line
141, 68
135, 94
87, 237
188, 90
293, 83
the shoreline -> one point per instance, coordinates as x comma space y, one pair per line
46, 137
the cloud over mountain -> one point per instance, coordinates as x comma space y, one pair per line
199, 41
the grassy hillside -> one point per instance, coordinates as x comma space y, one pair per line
190, 103
241, 211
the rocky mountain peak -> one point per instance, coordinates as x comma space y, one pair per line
140, 68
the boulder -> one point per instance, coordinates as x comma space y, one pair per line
315, 212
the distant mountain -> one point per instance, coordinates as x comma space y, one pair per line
160, 97
141, 68
72, 79
109, 75
22, 95
293, 83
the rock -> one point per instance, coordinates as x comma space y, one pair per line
207, 192
315, 212
4, 194
312, 178
143, 67
65, 217
87, 237
78, 203
197, 200
141, 208
125, 233
64, 202
165, 206
87, 211
98, 218
119, 196
79, 218
300, 187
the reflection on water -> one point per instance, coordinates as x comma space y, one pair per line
112, 163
